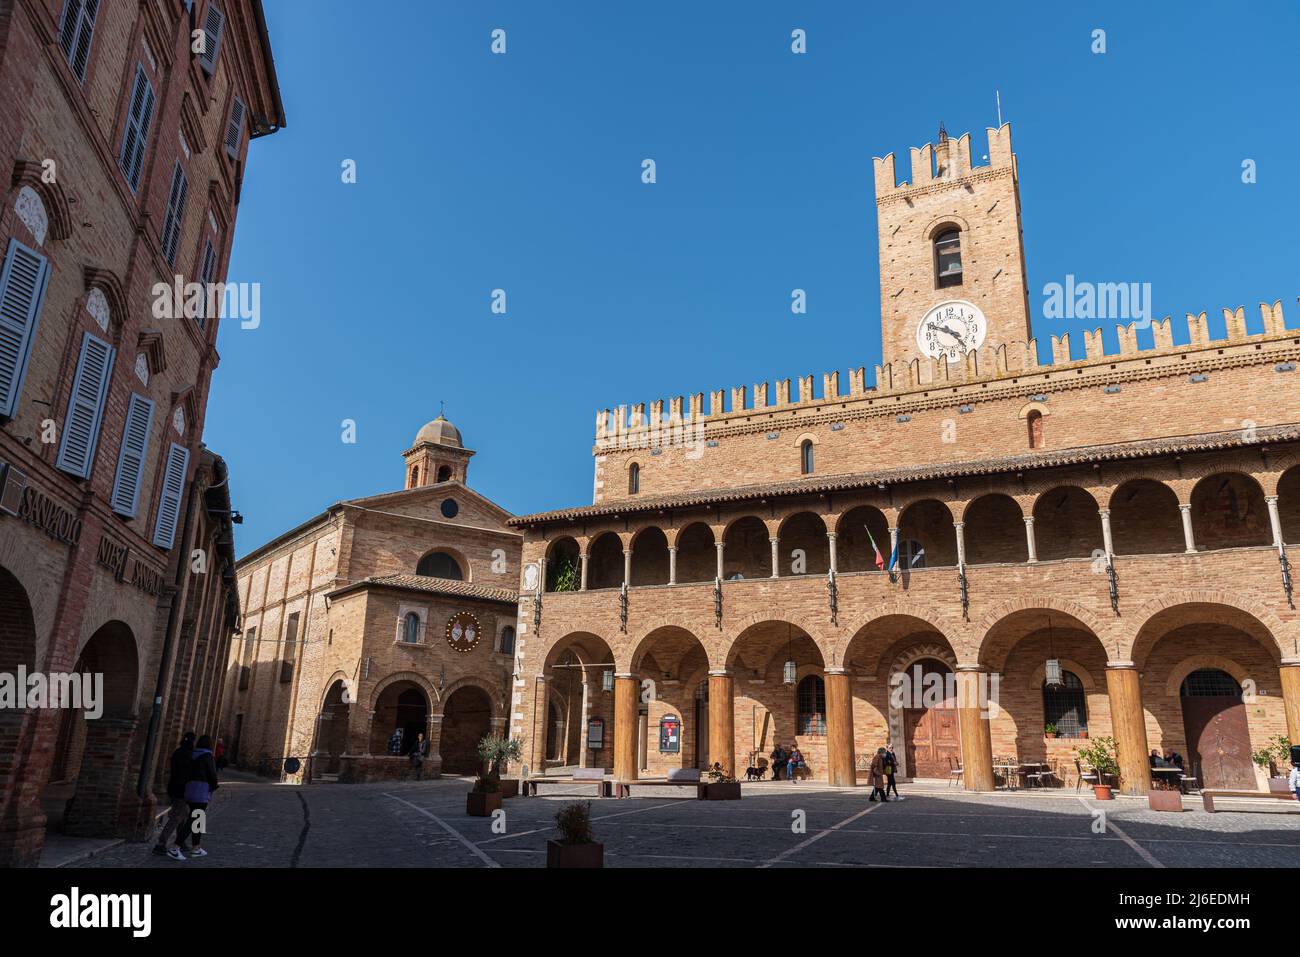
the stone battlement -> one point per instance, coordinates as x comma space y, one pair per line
943, 162
988, 363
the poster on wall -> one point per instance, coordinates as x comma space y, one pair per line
596, 733
670, 734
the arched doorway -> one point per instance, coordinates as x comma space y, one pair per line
926, 697
332, 730
402, 705
1218, 736
467, 716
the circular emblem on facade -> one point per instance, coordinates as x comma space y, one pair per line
449, 508
463, 631
951, 329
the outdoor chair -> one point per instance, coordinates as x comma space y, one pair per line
954, 771
1089, 776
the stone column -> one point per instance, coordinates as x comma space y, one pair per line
973, 726
1291, 697
776, 557
642, 726
1188, 537
719, 546
1275, 521
627, 566
672, 564
1106, 541
830, 539
1029, 539
841, 764
722, 721
1129, 726
960, 529
434, 736
627, 698
582, 561
536, 756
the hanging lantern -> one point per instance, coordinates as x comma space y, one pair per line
1052, 675
789, 672
607, 681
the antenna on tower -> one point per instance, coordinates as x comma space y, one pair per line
998, 94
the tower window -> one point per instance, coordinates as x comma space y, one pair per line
444, 473
508, 640
947, 258
633, 479
806, 457
415, 476
411, 628
1035, 422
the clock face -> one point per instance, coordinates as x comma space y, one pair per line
951, 329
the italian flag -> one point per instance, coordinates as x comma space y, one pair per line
880, 559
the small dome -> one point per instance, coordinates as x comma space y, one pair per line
439, 432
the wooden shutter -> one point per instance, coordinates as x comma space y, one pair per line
131, 458
207, 269
235, 128
214, 24
135, 137
22, 290
169, 506
86, 407
171, 233
75, 33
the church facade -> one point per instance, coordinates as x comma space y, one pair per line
1091, 547
384, 614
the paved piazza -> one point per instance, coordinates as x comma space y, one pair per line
425, 825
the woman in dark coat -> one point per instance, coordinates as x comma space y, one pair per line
878, 776
198, 794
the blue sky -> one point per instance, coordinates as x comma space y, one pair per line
523, 172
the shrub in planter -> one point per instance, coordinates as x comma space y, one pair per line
1050, 731
1100, 754
577, 846
485, 798
721, 786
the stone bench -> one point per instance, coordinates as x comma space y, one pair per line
676, 777
580, 776
1207, 797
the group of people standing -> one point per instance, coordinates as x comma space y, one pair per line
191, 780
884, 775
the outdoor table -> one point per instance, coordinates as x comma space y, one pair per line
1031, 766
1171, 774
1008, 772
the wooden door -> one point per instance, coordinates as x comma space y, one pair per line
932, 737
1218, 739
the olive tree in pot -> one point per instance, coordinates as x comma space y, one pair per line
721, 786
1100, 754
577, 846
1277, 752
496, 752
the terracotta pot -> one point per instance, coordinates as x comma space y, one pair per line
482, 803
1102, 792
1083, 734
722, 791
509, 787
1165, 800
574, 855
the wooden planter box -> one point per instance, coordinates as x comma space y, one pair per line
1278, 786
509, 787
482, 803
1102, 792
722, 791
1165, 800
574, 855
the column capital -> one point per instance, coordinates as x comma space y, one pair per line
627, 551
718, 545
971, 668
1291, 662
625, 674
1104, 512
1029, 519
672, 548
720, 673
1270, 499
836, 671
1121, 666
958, 524
1185, 506
775, 540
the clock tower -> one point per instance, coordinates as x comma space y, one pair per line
952, 259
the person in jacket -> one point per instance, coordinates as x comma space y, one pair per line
177, 776
419, 751
891, 772
779, 759
219, 752
878, 777
795, 762
198, 793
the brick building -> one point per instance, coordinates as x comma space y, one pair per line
123, 151
385, 612
1121, 517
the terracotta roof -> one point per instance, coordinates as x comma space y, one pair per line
1119, 451
434, 586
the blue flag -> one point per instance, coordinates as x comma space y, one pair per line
893, 558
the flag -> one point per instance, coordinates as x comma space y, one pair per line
893, 558
880, 559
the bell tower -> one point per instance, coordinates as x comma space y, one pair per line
952, 259
436, 455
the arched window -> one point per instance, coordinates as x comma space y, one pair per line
633, 479
1210, 683
812, 705
440, 565
806, 457
508, 640
911, 554
444, 473
1065, 706
415, 476
947, 258
411, 628
1035, 423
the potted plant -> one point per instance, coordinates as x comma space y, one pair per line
1100, 755
496, 752
577, 846
1050, 731
485, 798
1164, 796
1277, 751
721, 786
1083, 733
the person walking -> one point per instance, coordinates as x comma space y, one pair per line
419, 751
891, 772
198, 794
178, 812
219, 753
878, 776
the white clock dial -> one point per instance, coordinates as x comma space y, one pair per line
951, 329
